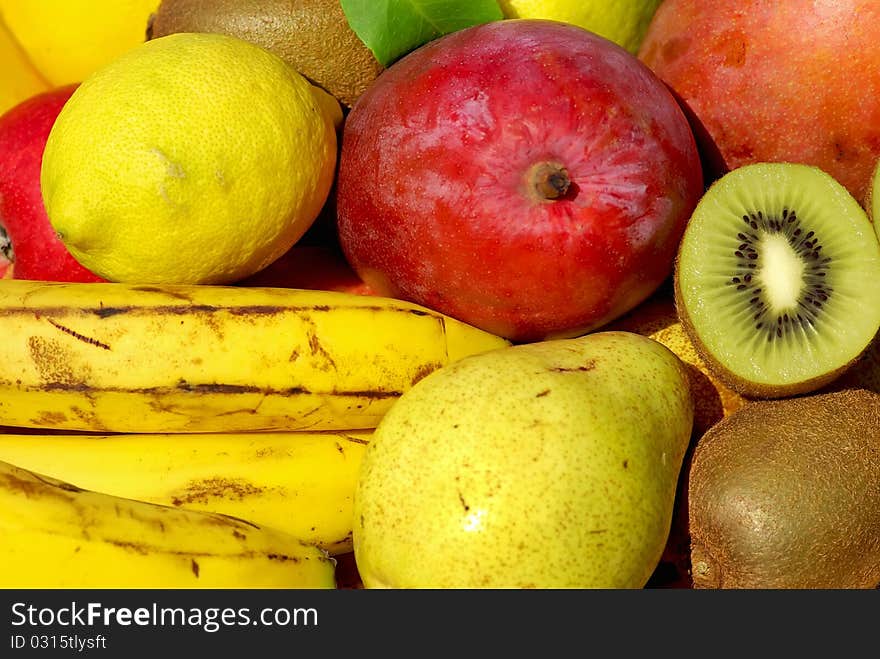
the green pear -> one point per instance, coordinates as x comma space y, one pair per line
542, 465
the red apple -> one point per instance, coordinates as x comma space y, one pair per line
525, 176
37, 253
776, 81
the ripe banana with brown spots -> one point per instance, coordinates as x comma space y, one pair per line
301, 483
112, 357
56, 535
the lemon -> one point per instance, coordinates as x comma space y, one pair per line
193, 158
622, 21
68, 39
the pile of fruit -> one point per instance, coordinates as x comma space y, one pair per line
516, 294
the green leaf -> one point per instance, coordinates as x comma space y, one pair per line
392, 28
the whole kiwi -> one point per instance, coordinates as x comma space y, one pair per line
786, 494
313, 36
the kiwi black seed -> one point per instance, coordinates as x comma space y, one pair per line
784, 494
777, 279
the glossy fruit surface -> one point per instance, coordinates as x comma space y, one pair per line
525, 176
794, 81
36, 251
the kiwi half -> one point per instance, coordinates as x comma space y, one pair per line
777, 279
784, 494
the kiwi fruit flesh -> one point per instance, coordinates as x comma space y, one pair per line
784, 494
777, 279
312, 36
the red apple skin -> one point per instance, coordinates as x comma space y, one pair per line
38, 254
775, 81
435, 199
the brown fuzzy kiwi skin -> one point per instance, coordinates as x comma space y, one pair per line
312, 36
784, 494
747, 388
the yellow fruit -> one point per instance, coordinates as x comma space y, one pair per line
19, 80
657, 319
57, 535
543, 465
113, 357
301, 483
191, 159
313, 36
68, 39
622, 21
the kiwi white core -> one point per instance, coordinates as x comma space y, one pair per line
778, 273
783, 283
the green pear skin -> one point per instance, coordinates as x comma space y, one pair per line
542, 465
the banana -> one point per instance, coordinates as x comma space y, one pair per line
112, 357
301, 483
56, 535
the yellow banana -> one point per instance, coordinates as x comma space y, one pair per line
301, 483
110, 357
56, 535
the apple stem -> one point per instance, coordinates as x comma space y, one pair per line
550, 180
